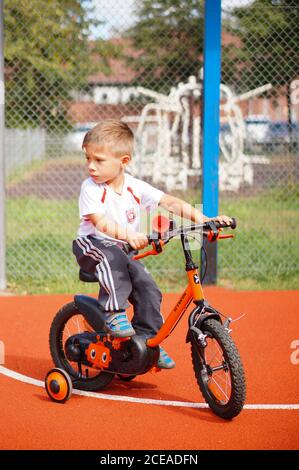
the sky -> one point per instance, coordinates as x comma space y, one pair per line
119, 14
116, 14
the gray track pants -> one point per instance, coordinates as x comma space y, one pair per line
121, 279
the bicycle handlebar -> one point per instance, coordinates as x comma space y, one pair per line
210, 230
206, 227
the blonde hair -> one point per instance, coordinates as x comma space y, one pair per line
112, 135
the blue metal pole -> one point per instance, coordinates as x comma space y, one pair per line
211, 122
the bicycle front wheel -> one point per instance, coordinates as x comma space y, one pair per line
219, 371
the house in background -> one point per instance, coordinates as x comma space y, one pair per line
116, 95
110, 95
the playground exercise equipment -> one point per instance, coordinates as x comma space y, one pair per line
168, 137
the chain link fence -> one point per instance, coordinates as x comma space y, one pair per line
260, 67
141, 61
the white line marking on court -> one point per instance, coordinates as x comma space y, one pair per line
145, 401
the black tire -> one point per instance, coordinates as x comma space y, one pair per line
98, 381
225, 405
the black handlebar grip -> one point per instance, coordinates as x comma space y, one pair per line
218, 225
234, 223
128, 248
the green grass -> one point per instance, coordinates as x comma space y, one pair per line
264, 254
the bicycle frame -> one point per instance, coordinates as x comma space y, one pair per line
193, 292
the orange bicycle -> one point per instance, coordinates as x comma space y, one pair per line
88, 358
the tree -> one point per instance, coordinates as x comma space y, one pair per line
169, 34
47, 55
269, 53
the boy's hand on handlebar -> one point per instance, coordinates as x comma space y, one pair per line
137, 240
222, 219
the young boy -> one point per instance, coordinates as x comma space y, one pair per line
110, 203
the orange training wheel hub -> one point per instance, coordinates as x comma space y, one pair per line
58, 385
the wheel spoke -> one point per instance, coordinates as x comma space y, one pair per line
225, 380
220, 388
68, 331
78, 326
219, 351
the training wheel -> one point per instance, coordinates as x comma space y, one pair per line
58, 385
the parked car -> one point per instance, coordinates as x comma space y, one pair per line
264, 135
256, 128
281, 136
73, 140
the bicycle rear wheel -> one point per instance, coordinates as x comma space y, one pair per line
67, 322
219, 371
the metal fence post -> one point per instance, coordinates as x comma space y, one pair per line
2, 166
210, 136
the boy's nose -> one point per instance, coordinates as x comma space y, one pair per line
91, 166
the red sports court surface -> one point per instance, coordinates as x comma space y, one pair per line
134, 415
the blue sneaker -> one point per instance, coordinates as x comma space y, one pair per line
165, 362
118, 325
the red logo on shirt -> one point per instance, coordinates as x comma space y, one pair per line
131, 215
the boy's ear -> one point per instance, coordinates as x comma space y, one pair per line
125, 159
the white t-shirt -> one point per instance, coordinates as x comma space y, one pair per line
124, 208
